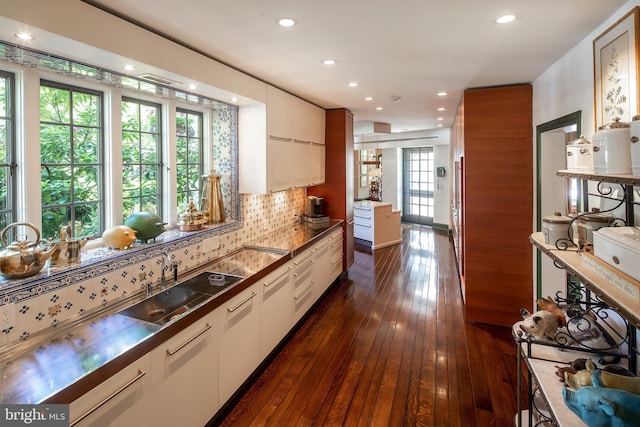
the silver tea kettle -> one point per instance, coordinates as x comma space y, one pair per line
22, 258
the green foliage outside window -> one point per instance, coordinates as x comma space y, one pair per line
6, 149
189, 148
71, 160
141, 157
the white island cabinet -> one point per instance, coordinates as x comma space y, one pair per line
122, 400
184, 375
376, 222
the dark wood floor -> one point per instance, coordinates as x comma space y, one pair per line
389, 347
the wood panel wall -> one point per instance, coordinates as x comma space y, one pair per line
493, 141
338, 188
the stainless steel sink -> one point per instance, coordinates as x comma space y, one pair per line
166, 305
210, 282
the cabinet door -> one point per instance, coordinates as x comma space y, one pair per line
317, 156
335, 268
122, 400
303, 290
184, 375
299, 164
279, 163
279, 110
322, 266
308, 122
276, 312
238, 340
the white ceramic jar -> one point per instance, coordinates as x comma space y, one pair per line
580, 155
612, 149
555, 227
590, 222
635, 145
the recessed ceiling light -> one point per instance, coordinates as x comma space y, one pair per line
23, 35
234, 99
379, 108
329, 61
441, 109
192, 86
506, 19
353, 84
286, 22
369, 98
442, 94
129, 67
439, 125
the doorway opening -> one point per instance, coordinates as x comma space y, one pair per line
418, 183
554, 193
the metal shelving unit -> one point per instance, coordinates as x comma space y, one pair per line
542, 358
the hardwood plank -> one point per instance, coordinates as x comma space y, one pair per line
388, 346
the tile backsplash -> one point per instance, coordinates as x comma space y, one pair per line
59, 293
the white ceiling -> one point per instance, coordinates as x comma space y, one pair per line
407, 48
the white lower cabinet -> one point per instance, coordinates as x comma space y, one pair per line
276, 312
322, 265
238, 340
122, 400
185, 380
303, 280
335, 254
184, 376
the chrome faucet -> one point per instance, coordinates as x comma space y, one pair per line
163, 281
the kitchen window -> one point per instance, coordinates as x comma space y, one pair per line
71, 129
135, 153
7, 149
141, 157
189, 159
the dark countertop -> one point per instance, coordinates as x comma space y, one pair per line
294, 239
63, 363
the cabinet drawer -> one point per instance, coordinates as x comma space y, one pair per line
362, 217
123, 399
303, 262
303, 293
363, 232
336, 266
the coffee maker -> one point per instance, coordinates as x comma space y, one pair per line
314, 207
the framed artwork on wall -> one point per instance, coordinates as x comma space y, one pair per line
615, 66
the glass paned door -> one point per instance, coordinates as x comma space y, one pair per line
418, 185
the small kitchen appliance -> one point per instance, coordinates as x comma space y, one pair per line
314, 207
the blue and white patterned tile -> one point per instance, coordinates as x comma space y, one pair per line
29, 318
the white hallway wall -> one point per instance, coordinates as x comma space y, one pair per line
568, 86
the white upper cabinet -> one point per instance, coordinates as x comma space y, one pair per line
281, 144
279, 114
